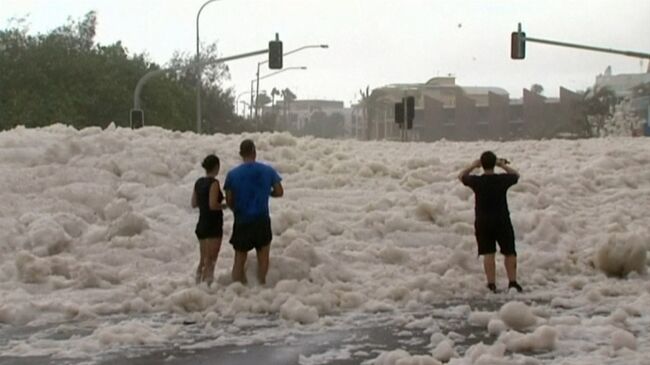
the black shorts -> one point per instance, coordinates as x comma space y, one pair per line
490, 233
212, 228
251, 235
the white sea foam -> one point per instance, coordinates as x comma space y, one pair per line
96, 223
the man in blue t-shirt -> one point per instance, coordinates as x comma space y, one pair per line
248, 187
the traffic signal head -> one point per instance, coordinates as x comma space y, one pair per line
399, 113
275, 54
137, 118
518, 45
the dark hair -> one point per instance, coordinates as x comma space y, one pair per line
246, 148
488, 160
210, 162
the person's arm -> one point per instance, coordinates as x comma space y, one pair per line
194, 203
467, 170
278, 190
230, 199
510, 170
227, 188
214, 196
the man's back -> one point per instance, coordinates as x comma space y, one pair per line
251, 184
490, 194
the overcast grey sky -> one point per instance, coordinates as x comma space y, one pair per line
373, 42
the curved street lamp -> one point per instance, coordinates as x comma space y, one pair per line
237, 98
199, 68
258, 78
257, 89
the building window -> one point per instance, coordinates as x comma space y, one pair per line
516, 114
482, 115
449, 116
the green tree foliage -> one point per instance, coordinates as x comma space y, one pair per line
287, 98
372, 107
263, 100
598, 105
65, 77
325, 126
368, 109
275, 92
537, 89
268, 120
217, 104
642, 90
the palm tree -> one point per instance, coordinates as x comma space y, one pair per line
366, 102
287, 97
274, 92
262, 99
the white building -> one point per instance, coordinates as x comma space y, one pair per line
622, 84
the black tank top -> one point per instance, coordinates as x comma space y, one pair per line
202, 189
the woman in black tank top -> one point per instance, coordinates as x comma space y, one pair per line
208, 198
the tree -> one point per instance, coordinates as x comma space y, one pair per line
262, 100
537, 89
64, 76
217, 106
367, 109
287, 98
370, 101
336, 125
268, 119
316, 124
274, 92
325, 126
642, 90
598, 106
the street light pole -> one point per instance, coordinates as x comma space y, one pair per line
149, 75
245, 104
237, 99
250, 106
257, 74
199, 68
267, 76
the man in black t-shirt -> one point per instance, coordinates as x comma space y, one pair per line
492, 223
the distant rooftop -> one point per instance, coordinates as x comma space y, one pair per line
479, 90
448, 82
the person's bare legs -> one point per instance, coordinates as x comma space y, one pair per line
511, 267
202, 256
490, 268
238, 267
263, 259
213, 245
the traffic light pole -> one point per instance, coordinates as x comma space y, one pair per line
143, 80
404, 116
519, 39
257, 74
403, 124
257, 88
589, 48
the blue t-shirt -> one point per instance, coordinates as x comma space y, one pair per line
251, 184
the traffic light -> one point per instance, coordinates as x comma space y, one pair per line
399, 113
275, 54
518, 45
410, 111
137, 118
